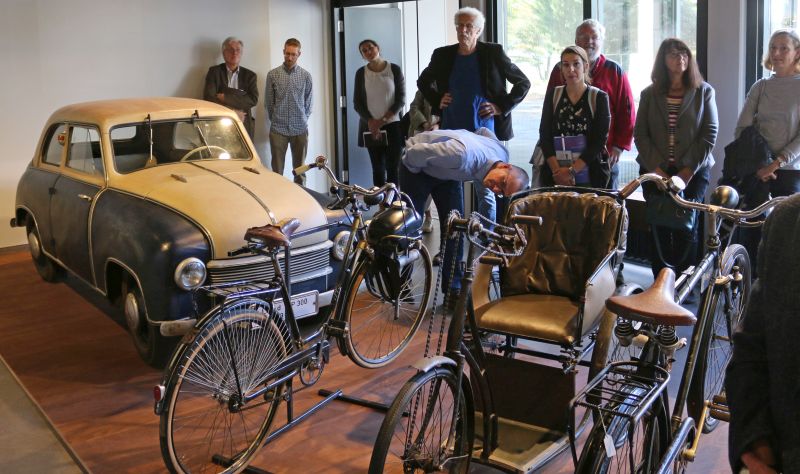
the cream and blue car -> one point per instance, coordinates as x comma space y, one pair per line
143, 198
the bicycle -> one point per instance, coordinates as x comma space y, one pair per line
218, 398
628, 398
430, 424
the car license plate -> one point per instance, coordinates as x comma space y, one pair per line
304, 304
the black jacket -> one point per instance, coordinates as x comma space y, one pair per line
495, 68
595, 155
763, 379
743, 157
244, 98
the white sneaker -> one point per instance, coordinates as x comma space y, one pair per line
427, 224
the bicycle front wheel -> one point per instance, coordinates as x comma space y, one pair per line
636, 451
728, 304
416, 436
385, 305
219, 403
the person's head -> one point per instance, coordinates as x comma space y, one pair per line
232, 51
291, 52
469, 26
369, 50
590, 35
674, 58
783, 54
575, 65
506, 179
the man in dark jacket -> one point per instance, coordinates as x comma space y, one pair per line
465, 83
763, 379
232, 85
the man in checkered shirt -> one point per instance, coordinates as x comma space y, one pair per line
288, 105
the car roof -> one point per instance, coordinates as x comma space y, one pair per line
107, 113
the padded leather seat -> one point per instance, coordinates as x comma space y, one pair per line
548, 317
565, 273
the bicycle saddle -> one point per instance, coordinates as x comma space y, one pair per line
655, 305
273, 235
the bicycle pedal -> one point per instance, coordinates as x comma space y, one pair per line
337, 328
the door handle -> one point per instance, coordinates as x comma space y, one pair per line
85, 197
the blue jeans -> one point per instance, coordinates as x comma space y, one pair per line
448, 195
486, 203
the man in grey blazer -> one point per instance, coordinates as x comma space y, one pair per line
233, 86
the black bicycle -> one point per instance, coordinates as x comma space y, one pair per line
221, 391
634, 430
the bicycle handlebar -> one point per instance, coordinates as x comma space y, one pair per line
388, 189
504, 241
675, 185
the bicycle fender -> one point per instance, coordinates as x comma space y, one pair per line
428, 363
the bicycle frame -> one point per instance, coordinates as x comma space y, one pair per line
654, 354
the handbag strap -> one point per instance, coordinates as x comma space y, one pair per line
660, 252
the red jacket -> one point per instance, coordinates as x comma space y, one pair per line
609, 77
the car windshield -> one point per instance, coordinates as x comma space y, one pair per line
143, 145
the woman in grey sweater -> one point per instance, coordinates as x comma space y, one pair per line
773, 106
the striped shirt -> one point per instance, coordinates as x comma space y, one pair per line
288, 100
673, 107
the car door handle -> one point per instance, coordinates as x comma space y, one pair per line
85, 197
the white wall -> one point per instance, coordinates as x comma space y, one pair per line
62, 52
726, 66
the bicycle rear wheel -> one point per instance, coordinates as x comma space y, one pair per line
385, 306
415, 435
728, 304
208, 416
640, 453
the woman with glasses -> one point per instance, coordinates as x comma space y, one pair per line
574, 127
379, 95
773, 107
675, 131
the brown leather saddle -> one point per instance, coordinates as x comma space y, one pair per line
656, 305
273, 235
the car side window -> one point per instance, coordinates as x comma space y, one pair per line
84, 151
55, 145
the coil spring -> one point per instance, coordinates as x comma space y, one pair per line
624, 332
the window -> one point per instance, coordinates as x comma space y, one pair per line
535, 31
55, 145
84, 151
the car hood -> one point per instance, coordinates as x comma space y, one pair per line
225, 198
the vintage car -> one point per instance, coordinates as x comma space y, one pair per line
143, 198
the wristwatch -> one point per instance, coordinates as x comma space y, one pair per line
782, 161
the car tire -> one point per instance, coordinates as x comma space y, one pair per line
153, 348
45, 266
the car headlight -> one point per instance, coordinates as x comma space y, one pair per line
190, 273
340, 244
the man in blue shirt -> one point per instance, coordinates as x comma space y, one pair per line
437, 162
288, 105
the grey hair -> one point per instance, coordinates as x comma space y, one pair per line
594, 24
473, 12
231, 39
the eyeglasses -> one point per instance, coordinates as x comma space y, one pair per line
678, 54
466, 26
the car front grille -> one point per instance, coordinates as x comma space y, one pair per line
306, 263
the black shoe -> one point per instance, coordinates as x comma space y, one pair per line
437, 259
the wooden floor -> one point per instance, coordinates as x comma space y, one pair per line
69, 349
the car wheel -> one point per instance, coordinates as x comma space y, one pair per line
152, 347
47, 268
